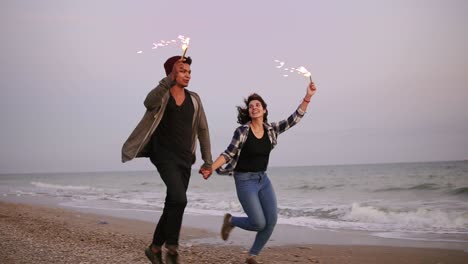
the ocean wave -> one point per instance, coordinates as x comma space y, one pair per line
424, 186
306, 187
219, 205
322, 213
309, 187
416, 219
462, 191
62, 187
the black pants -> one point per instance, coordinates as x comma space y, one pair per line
176, 176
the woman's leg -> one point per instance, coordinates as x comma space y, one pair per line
268, 202
247, 192
258, 200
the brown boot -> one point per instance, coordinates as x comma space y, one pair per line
172, 255
155, 258
252, 260
227, 227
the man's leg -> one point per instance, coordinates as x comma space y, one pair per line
176, 178
158, 236
154, 252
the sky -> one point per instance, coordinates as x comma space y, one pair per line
391, 77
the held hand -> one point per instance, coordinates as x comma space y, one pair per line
206, 172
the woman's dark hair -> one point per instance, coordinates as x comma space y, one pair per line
243, 113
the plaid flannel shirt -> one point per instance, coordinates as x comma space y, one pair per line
233, 151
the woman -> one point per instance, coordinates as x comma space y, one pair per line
247, 158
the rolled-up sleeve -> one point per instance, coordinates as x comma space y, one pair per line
233, 147
289, 122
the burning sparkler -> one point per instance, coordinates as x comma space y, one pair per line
164, 43
304, 72
300, 70
184, 47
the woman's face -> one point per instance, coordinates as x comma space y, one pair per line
256, 109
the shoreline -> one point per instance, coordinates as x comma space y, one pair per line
45, 233
283, 235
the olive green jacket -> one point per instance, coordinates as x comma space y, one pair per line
155, 103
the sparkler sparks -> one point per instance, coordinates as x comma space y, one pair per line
164, 43
300, 70
281, 64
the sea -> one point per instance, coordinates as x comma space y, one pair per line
419, 201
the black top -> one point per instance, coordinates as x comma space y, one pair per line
255, 154
173, 136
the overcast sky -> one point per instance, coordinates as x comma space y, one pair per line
392, 77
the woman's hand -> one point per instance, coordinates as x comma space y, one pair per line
311, 89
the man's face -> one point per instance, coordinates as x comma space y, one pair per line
183, 74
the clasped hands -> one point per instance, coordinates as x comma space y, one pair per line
205, 172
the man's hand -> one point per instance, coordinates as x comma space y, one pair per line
206, 172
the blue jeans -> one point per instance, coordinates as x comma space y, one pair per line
258, 200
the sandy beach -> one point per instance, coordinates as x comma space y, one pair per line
40, 234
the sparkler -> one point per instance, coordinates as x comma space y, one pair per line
184, 47
300, 70
164, 43
305, 72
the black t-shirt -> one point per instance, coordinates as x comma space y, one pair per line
173, 137
255, 154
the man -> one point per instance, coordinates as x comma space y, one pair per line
167, 134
